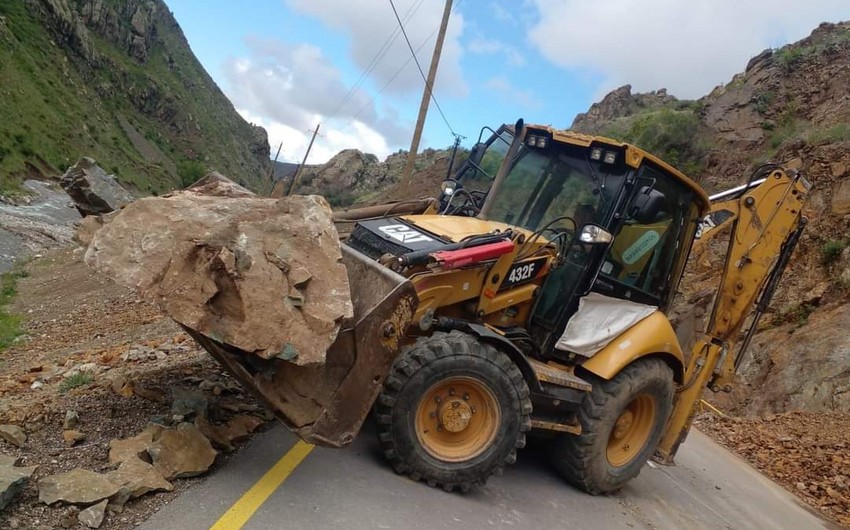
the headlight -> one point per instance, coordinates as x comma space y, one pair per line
610, 157
594, 234
448, 187
541, 142
531, 141
596, 153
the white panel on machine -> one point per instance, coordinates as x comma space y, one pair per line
598, 321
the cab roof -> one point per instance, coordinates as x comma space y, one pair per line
634, 156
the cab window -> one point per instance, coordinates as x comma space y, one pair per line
645, 252
475, 179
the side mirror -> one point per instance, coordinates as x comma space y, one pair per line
647, 205
449, 186
594, 234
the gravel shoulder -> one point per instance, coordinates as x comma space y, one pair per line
136, 360
807, 453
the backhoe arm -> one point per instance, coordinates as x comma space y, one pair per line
766, 222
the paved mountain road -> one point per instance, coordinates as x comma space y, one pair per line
354, 488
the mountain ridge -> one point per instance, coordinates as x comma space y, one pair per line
117, 81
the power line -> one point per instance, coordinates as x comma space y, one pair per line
382, 51
392, 78
396, 74
419, 67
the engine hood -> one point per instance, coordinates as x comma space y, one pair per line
415, 233
392, 235
454, 229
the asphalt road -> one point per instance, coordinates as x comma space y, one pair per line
354, 488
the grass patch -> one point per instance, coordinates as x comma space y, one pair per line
77, 380
672, 135
836, 133
797, 314
10, 324
763, 101
831, 251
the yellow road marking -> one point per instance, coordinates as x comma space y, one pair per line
238, 514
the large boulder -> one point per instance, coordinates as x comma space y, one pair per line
93, 191
12, 480
139, 478
78, 486
262, 275
181, 452
13, 434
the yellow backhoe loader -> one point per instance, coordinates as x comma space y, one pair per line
535, 300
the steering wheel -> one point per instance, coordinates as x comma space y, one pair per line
470, 207
557, 230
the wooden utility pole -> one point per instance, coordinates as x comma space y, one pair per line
274, 167
297, 174
426, 95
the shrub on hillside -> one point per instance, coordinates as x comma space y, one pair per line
190, 171
668, 134
831, 250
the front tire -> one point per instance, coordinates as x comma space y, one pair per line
453, 411
622, 420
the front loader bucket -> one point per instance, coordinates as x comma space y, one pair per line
325, 404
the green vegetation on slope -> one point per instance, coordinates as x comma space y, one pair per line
10, 324
142, 120
670, 134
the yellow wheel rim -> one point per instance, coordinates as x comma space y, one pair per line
457, 419
631, 431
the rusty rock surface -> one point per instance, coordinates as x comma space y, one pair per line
78, 486
139, 478
230, 266
182, 452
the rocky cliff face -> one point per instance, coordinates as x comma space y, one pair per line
115, 80
354, 177
792, 106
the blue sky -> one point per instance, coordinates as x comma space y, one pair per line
289, 64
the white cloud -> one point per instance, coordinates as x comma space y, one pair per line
289, 88
331, 139
370, 23
686, 47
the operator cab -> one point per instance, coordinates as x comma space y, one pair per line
464, 193
621, 219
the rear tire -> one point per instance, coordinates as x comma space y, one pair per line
622, 420
453, 411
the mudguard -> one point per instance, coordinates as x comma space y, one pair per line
652, 336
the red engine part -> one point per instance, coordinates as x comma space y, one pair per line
453, 259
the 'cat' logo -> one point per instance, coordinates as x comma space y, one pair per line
404, 233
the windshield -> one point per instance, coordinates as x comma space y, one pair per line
479, 178
545, 184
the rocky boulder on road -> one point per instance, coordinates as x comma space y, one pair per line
230, 265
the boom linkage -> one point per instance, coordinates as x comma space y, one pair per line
765, 220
